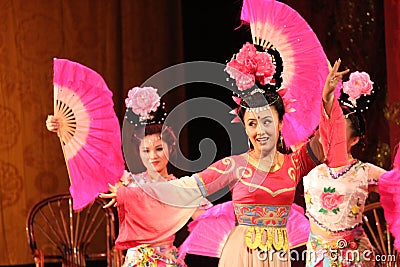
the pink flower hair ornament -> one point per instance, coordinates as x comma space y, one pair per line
359, 84
143, 100
249, 66
143, 106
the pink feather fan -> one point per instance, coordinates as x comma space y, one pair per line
274, 24
389, 188
89, 130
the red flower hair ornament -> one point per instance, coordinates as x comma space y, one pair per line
250, 65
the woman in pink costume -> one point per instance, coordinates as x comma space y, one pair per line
335, 197
154, 143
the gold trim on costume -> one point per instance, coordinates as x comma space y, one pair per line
225, 161
292, 173
244, 172
296, 165
272, 193
274, 238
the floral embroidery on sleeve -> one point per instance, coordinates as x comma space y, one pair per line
330, 200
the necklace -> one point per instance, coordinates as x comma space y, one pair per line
263, 164
336, 175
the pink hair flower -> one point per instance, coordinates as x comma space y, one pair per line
247, 51
249, 66
239, 72
143, 100
265, 68
358, 84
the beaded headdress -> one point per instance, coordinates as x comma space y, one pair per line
289, 60
144, 107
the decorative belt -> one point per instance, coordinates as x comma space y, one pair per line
260, 215
339, 241
267, 225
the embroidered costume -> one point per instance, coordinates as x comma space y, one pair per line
162, 253
335, 202
262, 214
335, 197
209, 232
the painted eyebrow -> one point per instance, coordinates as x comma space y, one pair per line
146, 147
266, 117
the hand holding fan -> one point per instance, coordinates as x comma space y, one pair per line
89, 131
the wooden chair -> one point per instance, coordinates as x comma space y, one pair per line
56, 233
376, 228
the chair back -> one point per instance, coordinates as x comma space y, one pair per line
376, 229
57, 233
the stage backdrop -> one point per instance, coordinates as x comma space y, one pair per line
127, 41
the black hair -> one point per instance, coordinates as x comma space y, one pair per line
258, 100
277, 80
166, 133
357, 124
154, 117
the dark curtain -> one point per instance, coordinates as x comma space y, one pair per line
392, 33
351, 30
354, 31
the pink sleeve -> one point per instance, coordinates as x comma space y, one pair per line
389, 188
209, 232
218, 175
145, 220
332, 130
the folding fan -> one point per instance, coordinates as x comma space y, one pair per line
274, 24
389, 187
298, 227
209, 232
89, 131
